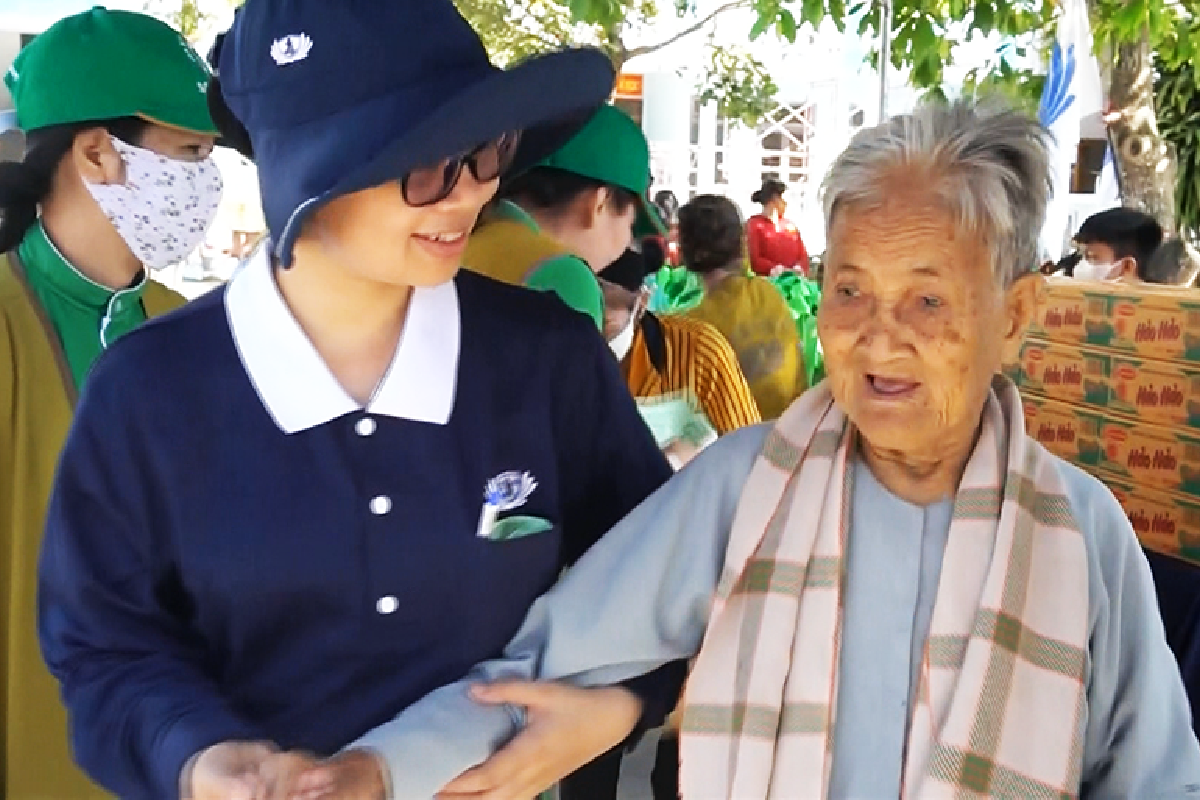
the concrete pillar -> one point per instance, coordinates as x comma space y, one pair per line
10, 45
667, 107
706, 152
743, 156
667, 121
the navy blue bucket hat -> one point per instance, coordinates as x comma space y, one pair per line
330, 97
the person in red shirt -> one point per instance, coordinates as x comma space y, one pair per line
774, 242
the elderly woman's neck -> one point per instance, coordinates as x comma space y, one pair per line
918, 479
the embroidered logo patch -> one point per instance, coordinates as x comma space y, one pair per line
291, 49
510, 490
505, 492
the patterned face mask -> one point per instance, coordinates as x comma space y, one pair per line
165, 206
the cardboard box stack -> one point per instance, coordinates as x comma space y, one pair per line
1111, 379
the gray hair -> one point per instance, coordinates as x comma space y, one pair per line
987, 163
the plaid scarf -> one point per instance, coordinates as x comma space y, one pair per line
1000, 701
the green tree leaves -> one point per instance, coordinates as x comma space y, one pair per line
737, 81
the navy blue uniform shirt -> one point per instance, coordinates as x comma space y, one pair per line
235, 550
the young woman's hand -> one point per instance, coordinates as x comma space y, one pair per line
567, 727
281, 773
354, 775
227, 771
243, 771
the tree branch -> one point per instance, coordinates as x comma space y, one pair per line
641, 51
538, 31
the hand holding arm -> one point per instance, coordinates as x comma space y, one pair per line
566, 727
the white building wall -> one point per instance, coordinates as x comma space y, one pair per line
10, 45
666, 107
667, 121
826, 68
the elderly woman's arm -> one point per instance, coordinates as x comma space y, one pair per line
638, 599
1139, 740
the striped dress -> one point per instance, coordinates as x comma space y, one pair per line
698, 363
753, 316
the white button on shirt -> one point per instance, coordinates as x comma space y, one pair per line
381, 505
365, 426
387, 605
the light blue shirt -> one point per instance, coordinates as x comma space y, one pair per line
893, 565
641, 597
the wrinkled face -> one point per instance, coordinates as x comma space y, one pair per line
379, 237
914, 324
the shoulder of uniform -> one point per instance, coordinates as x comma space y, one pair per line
513, 233
517, 305
13, 294
8, 277
162, 297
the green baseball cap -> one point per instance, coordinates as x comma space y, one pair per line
101, 65
612, 148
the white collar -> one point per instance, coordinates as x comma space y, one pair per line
296, 386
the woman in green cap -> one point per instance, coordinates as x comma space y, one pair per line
116, 182
572, 215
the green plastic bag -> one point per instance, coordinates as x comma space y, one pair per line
674, 290
803, 297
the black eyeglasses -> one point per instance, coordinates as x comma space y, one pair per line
425, 186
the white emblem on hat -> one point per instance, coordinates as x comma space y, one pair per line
291, 49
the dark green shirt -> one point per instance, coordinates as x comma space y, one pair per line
86, 316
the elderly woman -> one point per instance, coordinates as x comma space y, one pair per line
896, 555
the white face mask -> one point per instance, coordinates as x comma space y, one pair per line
165, 206
622, 343
1087, 271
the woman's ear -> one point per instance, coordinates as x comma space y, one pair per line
96, 159
1021, 304
590, 206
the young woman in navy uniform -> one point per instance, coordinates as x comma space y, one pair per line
305, 501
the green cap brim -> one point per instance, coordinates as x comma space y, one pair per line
189, 120
648, 222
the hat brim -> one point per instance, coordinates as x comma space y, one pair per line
648, 222
548, 98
